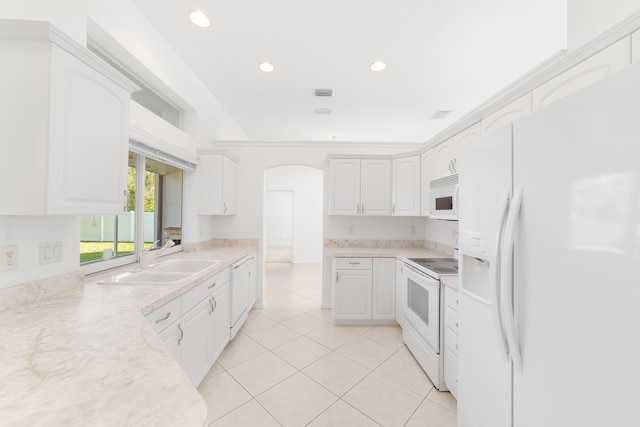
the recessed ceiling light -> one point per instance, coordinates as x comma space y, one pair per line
267, 67
377, 66
199, 18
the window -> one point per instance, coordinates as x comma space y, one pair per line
154, 191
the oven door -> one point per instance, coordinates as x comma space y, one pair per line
422, 308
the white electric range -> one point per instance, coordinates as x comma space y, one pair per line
423, 328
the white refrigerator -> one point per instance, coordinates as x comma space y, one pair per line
549, 217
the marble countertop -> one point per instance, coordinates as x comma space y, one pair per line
382, 252
91, 358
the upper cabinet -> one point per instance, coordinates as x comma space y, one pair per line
444, 159
507, 114
216, 183
598, 66
64, 122
359, 186
406, 186
445, 154
427, 174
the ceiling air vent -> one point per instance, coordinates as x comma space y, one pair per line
323, 92
440, 114
322, 111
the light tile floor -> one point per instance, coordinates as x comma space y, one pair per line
291, 366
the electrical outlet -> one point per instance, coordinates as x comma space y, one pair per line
9, 258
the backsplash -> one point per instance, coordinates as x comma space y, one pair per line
438, 247
218, 243
41, 289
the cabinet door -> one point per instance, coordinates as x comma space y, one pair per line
89, 140
466, 136
229, 178
253, 282
384, 289
221, 322
239, 292
443, 159
507, 114
172, 338
375, 186
600, 65
194, 346
352, 295
400, 284
406, 186
427, 174
451, 372
344, 186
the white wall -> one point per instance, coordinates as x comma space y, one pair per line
122, 21
306, 184
589, 18
27, 233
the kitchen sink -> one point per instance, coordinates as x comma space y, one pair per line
170, 272
153, 277
184, 265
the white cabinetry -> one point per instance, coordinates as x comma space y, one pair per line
467, 135
635, 47
364, 290
195, 326
401, 286
444, 156
217, 183
384, 289
451, 340
600, 65
64, 121
406, 186
507, 114
427, 174
253, 282
359, 187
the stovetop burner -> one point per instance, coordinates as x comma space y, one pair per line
436, 266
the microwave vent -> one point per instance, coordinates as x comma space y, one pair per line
444, 182
323, 92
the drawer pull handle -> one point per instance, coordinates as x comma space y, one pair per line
212, 286
181, 334
164, 318
456, 324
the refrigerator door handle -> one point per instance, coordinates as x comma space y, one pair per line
494, 274
506, 278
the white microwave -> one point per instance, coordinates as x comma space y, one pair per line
443, 198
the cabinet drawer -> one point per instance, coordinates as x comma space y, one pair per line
451, 319
354, 263
451, 340
204, 289
165, 315
451, 297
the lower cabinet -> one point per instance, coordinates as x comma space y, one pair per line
401, 287
451, 340
195, 335
364, 290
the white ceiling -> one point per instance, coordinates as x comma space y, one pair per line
440, 55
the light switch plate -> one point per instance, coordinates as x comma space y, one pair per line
50, 252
